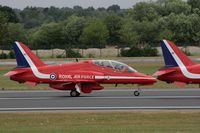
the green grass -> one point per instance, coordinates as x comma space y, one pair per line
101, 122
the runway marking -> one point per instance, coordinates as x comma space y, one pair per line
140, 97
98, 108
103, 97
15, 98
32, 91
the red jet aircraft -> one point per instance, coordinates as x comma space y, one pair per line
179, 69
78, 77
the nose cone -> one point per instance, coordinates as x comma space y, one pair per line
151, 80
146, 79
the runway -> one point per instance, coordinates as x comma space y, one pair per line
115, 99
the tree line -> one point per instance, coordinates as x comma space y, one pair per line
140, 27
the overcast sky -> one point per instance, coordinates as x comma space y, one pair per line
20, 4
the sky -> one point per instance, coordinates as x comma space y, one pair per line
20, 4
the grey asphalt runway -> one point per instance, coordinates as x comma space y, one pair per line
115, 99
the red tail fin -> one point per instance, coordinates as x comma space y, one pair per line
173, 55
25, 57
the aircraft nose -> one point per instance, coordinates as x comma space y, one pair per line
147, 78
152, 79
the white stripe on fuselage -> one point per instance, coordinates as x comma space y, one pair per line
32, 65
121, 77
183, 68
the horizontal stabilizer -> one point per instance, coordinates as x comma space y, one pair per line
163, 72
14, 72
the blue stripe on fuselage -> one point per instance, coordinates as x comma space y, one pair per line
168, 58
21, 61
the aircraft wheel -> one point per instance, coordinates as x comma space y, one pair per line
74, 93
136, 93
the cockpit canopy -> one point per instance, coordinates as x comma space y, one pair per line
114, 64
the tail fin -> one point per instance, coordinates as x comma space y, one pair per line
25, 57
173, 56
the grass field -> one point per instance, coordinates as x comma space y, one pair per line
144, 67
101, 122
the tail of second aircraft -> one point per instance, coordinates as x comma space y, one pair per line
25, 57
173, 56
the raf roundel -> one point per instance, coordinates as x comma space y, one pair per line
53, 76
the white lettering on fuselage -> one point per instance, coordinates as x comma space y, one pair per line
63, 76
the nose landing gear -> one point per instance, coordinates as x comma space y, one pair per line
137, 92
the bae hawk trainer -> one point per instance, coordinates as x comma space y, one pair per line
77, 77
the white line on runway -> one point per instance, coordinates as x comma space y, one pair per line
140, 97
32, 91
153, 90
98, 108
122, 97
21, 98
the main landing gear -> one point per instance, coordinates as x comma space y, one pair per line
74, 93
77, 91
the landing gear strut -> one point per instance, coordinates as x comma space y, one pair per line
74, 93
